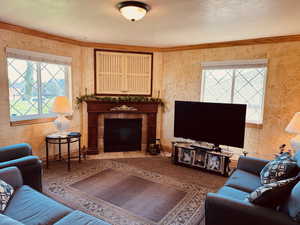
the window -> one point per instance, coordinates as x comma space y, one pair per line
35, 79
241, 82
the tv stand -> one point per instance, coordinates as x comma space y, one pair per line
208, 157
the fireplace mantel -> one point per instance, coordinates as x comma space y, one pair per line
94, 108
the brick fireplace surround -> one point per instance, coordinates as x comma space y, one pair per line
97, 110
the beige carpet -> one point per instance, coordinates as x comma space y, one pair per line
136, 191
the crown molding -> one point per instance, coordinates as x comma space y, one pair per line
120, 47
254, 41
28, 31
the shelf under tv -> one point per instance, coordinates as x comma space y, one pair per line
201, 156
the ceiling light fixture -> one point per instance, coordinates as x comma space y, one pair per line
133, 10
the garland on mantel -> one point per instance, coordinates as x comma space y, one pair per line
128, 98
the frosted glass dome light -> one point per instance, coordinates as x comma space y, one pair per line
133, 10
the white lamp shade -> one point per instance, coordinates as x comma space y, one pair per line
61, 105
294, 126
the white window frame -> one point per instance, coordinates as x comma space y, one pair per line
234, 65
40, 58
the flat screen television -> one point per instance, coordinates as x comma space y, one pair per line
216, 123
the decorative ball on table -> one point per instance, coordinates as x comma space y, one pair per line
282, 148
245, 153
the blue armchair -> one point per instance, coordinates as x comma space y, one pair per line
20, 155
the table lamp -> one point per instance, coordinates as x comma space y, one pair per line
294, 128
61, 107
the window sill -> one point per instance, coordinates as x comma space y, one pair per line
254, 125
34, 121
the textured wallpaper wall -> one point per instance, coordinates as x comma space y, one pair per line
177, 76
82, 83
182, 81
34, 134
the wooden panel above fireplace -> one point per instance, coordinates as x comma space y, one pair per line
94, 108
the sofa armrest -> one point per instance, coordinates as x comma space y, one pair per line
223, 210
30, 168
251, 164
14, 152
12, 176
27, 160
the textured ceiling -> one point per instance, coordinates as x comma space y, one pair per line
169, 23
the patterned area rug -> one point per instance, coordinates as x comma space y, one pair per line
61, 185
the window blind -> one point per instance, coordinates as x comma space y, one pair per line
38, 56
235, 64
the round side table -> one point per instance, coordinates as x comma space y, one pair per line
60, 139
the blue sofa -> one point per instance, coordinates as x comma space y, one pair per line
229, 205
30, 207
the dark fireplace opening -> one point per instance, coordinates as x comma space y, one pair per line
122, 135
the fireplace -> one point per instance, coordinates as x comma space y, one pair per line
99, 112
122, 135
122, 121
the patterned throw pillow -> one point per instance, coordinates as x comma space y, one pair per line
6, 192
273, 194
281, 168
